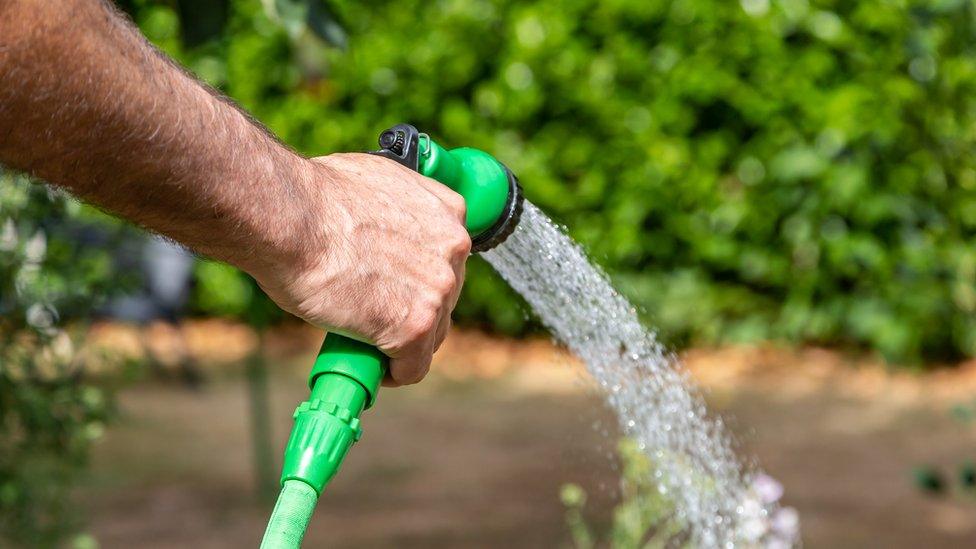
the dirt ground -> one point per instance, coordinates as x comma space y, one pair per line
475, 455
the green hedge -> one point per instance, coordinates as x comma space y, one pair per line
755, 169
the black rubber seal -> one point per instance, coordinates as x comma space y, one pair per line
509, 219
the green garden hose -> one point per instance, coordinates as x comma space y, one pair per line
347, 373
290, 516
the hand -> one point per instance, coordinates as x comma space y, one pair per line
384, 262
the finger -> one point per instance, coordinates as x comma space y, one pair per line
442, 329
411, 365
444, 326
459, 271
454, 201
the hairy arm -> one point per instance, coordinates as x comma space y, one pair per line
89, 105
86, 103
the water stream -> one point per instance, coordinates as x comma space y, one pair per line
655, 401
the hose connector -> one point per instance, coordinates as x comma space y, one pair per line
343, 383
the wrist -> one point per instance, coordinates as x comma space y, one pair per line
289, 230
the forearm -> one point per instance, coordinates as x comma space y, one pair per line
86, 103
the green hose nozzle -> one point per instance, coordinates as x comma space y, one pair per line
347, 373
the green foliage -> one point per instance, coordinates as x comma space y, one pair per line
645, 517
49, 413
221, 289
787, 169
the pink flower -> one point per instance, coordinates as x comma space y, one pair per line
786, 523
767, 488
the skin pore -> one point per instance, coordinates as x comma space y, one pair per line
349, 242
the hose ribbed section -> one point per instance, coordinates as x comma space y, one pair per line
290, 516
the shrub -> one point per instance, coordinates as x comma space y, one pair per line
784, 169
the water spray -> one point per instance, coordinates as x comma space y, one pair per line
346, 375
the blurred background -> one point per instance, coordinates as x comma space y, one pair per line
785, 188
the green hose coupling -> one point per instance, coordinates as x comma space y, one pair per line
343, 383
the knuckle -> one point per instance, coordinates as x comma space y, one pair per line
457, 244
444, 281
459, 206
462, 244
421, 324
